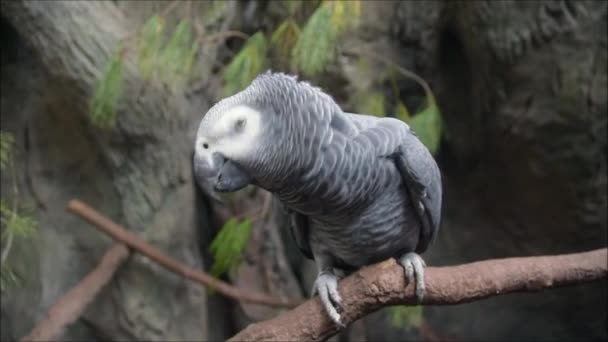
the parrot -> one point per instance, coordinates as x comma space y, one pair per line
358, 189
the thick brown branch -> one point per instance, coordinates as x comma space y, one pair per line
119, 234
69, 307
383, 284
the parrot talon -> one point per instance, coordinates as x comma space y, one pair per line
413, 266
326, 286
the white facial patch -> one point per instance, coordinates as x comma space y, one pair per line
232, 140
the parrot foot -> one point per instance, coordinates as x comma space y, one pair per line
326, 286
414, 272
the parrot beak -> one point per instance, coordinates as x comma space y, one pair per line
231, 177
205, 169
221, 173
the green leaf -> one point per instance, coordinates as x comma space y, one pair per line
7, 277
221, 236
14, 223
315, 48
5, 211
107, 92
427, 125
229, 244
21, 226
149, 45
292, 6
246, 65
406, 316
284, 38
402, 113
7, 141
190, 57
176, 58
372, 103
345, 14
14, 226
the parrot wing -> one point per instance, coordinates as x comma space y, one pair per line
415, 163
423, 182
299, 229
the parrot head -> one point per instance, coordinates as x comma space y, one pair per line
227, 141
250, 137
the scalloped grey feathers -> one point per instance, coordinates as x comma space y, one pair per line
360, 189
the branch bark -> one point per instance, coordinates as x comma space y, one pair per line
69, 307
120, 234
384, 284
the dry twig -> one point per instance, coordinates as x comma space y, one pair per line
69, 307
120, 234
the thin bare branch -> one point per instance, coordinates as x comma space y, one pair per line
68, 308
404, 72
120, 234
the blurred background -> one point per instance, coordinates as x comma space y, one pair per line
101, 101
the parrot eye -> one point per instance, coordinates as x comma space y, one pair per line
205, 145
239, 124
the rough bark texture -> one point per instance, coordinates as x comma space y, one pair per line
138, 172
522, 88
384, 284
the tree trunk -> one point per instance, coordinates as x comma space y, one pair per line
522, 88
139, 172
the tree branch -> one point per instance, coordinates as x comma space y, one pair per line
69, 307
384, 284
119, 234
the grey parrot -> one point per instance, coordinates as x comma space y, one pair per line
359, 189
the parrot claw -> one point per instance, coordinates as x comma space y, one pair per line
326, 286
414, 265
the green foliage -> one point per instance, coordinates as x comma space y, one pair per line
107, 92
21, 226
246, 65
7, 277
14, 225
176, 59
215, 13
6, 146
315, 47
149, 44
228, 245
284, 38
5, 211
406, 316
169, 61
292, 6
402, 113
373, 104
309, 50
427, 125
345, 14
